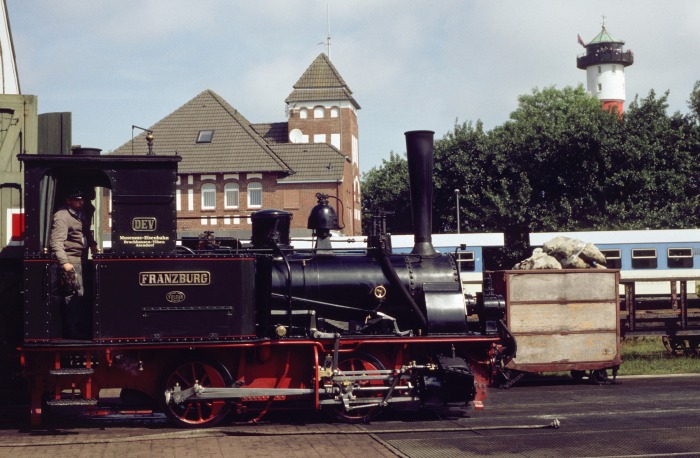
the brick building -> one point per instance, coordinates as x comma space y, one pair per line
231, 167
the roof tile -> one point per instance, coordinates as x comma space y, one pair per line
321, 81
235, 146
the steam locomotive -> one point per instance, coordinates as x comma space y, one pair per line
201, 334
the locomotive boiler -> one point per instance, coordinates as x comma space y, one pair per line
416, 291
201, 334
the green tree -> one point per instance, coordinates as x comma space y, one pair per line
694, 101
459, 158
548, 165
653, 182
385, 189
560, 162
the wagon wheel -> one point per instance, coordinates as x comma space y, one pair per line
197, 413
694, 346
578, 375
674, 345
598, 376
360, 362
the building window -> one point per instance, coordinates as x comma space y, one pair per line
319, 112
335, 140
614, 67
600, 69
335, 112
303, 113
231, 195
205, 136
600, 87
319, 138
255, 195
355, 150
208, 196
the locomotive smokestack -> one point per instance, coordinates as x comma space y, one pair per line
419, 150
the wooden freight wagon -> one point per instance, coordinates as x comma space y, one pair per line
563, 320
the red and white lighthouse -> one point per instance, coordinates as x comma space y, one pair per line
605, 61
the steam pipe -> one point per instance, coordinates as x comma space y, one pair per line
419, 151
393, 277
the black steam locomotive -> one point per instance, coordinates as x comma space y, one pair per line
207, 332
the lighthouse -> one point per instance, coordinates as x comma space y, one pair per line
605, 61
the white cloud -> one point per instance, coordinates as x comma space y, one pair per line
412, 64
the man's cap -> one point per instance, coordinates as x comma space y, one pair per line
76, 193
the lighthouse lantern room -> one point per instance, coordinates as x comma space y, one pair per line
605, 61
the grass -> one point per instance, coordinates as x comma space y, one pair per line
648, 356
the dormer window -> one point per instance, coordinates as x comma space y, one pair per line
205, 136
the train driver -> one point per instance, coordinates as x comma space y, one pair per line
70, 240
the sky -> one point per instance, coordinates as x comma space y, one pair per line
411, 64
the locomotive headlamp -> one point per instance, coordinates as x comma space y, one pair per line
149, 138
149, 141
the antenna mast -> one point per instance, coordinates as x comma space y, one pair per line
328, 20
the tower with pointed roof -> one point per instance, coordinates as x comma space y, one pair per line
605, 61
232, 168
322, 109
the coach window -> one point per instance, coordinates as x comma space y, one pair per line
679, 258
231, 195
208, 196
466, 261
644, 258
255, 195
613, 259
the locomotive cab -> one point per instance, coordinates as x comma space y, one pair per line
141, 220
137, 186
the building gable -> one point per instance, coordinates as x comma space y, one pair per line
231, 146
